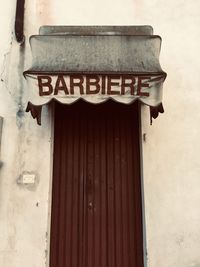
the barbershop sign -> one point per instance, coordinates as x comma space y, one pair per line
95, 88
95, 64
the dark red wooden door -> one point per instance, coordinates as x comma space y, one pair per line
96, 216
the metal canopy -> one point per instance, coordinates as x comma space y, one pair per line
96, 30
61, 51
69, 53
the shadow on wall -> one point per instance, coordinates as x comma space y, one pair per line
1, 127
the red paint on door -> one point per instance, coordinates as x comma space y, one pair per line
96, 218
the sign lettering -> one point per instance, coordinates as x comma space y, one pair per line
77, 84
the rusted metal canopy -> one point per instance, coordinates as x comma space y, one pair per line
95, 63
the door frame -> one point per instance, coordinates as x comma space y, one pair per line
52, 128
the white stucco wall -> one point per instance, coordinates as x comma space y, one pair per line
170, 152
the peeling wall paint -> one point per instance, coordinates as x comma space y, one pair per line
170, 147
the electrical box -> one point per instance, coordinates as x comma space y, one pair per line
28, 178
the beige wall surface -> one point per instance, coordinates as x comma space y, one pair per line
171, 164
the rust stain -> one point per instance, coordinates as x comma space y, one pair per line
138, 8
44, 11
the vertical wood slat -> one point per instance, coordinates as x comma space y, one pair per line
96, 197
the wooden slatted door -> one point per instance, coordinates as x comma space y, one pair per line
96, 218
